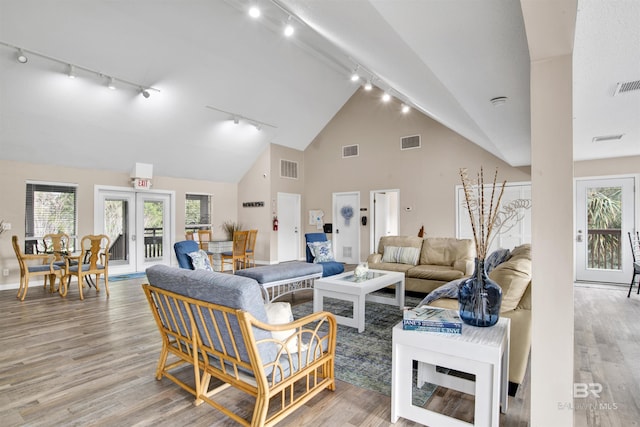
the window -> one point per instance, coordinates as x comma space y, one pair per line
50, 208
197, 212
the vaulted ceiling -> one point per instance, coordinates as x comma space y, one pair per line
444, 58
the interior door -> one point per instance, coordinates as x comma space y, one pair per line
385, 216
139, 225
289, 207
605, 211
346, 227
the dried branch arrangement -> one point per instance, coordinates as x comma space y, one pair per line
483, 211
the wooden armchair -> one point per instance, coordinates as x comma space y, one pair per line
236, 348
93, 260
46, 268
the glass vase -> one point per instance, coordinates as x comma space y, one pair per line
479, 298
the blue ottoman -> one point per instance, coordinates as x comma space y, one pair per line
284, 278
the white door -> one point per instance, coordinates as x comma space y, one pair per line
605, 210
139, 225
346, 227
288, 227
385, 216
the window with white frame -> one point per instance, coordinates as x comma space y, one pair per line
50, 208
197, 212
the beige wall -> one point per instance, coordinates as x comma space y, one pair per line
607, 167
286, 185
13, 176
426, 177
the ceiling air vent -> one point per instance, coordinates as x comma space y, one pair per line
607, 138
350, 150
288, 169
409, 142
624, 87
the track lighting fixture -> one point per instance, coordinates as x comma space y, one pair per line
237, 117
368, 86
355, 77
386, 97
254, 10
288, 29
405, 108
21, 57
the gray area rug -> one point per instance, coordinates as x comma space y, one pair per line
364, 359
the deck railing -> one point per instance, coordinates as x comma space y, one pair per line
605, 251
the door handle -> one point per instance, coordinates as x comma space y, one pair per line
133, 237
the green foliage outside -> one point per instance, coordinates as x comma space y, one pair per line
604, 216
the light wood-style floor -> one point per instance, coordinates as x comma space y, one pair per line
92, 362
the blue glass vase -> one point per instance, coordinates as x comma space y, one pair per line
479, 298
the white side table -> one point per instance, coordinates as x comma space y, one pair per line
217, 247
483, 352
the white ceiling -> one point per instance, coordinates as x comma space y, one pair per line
446, 58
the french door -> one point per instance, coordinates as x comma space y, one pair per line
140, 226
605, 211
385, 218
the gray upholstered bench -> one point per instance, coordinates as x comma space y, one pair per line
280, 279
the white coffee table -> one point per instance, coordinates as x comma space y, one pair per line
483, 352
347, 287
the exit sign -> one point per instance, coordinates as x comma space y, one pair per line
141, 184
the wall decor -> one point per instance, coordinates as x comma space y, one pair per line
252, 204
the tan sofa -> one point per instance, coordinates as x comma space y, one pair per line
514, 277
441, 260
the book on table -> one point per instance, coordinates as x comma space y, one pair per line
432, 319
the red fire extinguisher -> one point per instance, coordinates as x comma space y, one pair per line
275, 223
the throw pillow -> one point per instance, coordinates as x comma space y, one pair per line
448, 290
401, 255
279, 313
496, 258
200, 260
321, 251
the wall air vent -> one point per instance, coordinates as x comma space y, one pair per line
607, 138
410, 142
350, 150
288, 169
624, 87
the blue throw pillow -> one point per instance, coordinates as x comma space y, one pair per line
496, 258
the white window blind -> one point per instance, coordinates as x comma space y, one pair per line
49, 208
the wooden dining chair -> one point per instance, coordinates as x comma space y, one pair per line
204, 237
237, 254
57, 245
249, 254
93, 260
635, 253
45, 267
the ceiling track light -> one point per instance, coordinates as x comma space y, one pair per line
368, 86
254, 10
237, 117
355, 76
405, 108
144, 92
288, 28
386, 97
21, 57
71, 68
112, 83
